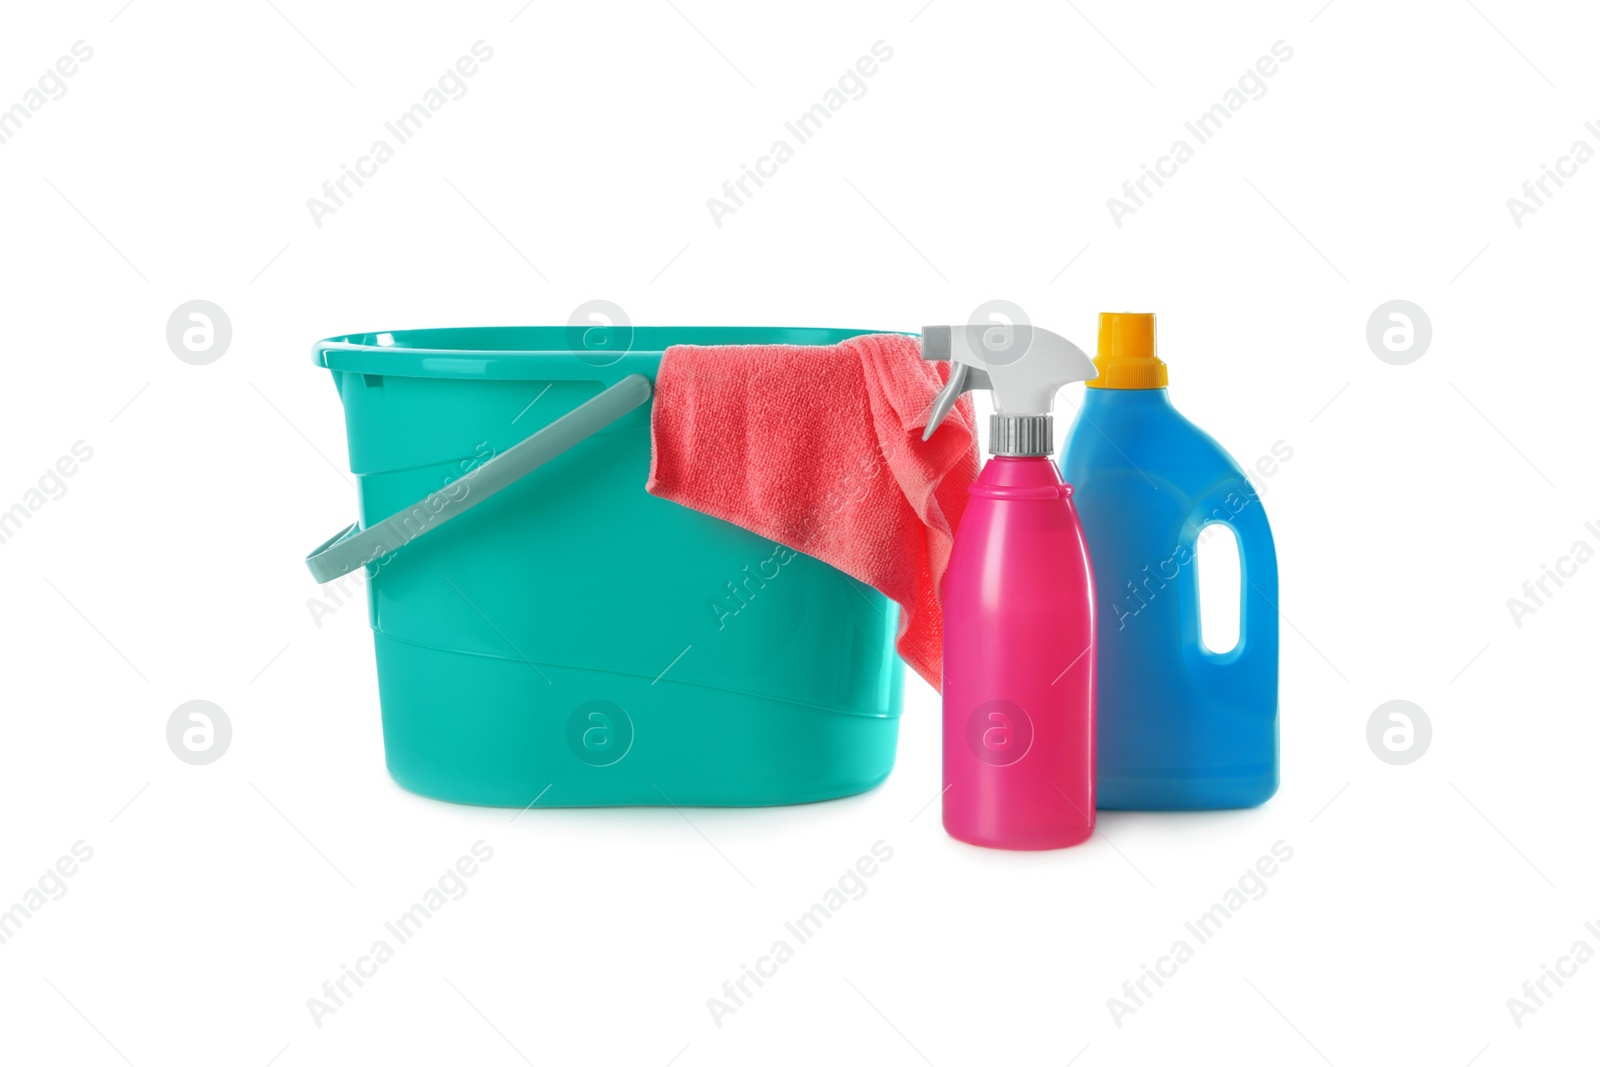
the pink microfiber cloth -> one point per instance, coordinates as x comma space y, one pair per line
821, 450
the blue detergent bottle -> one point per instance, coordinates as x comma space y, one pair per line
1181, 727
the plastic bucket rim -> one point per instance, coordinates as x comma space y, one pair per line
359, 351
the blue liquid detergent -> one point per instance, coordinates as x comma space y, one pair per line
1180, 727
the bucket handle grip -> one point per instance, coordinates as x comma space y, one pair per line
353, 548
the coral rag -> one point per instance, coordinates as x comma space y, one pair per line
821, 450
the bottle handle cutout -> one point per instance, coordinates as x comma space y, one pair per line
1221, 587
1258, 584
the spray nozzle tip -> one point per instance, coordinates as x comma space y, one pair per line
936, 342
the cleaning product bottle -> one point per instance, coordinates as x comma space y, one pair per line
1019, 619
1182, 726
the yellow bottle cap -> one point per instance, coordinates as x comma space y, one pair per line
1127, 353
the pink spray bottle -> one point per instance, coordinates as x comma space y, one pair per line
1019, 626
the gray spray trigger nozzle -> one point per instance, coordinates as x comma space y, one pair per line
962, 379
1023, 366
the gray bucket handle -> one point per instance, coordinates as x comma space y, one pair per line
353, 548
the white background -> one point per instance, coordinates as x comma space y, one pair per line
978, 164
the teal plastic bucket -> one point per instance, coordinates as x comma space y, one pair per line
547, 632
